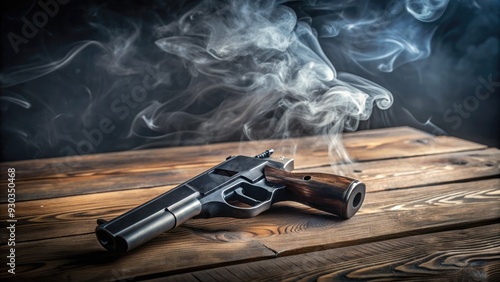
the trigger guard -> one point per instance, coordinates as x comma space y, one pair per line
259, 198
249, 194
218, 204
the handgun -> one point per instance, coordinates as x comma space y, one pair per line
239, 187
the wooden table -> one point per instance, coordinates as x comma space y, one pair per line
431, 212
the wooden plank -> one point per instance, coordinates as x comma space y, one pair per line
46, 213
307, 151
67, 216
463, 255
408, 172
399, 213
379, 175
79, 258
72, 211
284, 230
402, 173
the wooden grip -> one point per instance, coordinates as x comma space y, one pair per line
335, 194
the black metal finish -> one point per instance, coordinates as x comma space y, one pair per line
234, 188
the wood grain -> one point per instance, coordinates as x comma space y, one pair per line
401, 213
431, 213
411, 140
77, 214
41, 179
284, 230
378, 176
80, 258
462, 255
422, 170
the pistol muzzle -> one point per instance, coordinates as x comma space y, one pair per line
116, 237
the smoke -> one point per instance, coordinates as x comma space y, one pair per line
264, 70
379, 37
209, 72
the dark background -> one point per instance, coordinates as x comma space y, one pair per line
45, 113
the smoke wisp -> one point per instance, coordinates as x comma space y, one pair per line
212, 71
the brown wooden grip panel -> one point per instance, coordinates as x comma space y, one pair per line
335, 194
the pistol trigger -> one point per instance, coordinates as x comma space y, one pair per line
245, 199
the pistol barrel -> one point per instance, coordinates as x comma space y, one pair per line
149, 220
